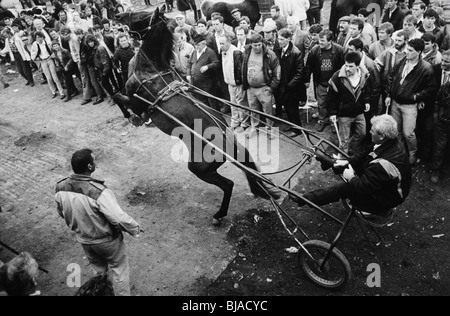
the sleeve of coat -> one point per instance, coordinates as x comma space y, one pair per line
333, 96
104, 57
430, 89
298, 77
214, 61
308, 66
276, 69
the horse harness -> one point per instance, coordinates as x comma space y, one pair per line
173, 88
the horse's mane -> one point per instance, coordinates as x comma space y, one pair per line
158, 45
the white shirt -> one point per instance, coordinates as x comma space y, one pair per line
355, 79
241, 45
199, 53
445, 75
284, 50
408, 68
44, 52
216, 35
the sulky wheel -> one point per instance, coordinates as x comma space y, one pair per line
336, 272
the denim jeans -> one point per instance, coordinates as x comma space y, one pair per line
321, 97
85, 81
351, 144
260, 99
239, 117
406, 117
441, 134
49, 69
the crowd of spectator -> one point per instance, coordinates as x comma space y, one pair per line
77, 49
400, 67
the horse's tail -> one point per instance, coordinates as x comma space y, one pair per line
258, 187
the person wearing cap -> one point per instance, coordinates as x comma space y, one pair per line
180, 19
261, 73
182, 52
202, 71
270, 36
236, 14
343, 25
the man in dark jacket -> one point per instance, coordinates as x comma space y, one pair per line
65, 64
441, 131
90, 53
122, 56
323, 61
261, 77
383, 174
291, 81
348, 99
201, 70
393, 14
411, 83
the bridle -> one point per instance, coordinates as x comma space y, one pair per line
147, 28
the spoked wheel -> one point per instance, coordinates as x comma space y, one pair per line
336, 272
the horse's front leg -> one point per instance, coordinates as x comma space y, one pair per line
123, 102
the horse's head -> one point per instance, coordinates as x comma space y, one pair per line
140, 23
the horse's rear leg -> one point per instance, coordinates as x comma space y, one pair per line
213, 177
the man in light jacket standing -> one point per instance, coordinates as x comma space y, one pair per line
91, 210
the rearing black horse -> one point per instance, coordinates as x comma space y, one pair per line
154, 80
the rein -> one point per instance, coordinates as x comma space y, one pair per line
147, 28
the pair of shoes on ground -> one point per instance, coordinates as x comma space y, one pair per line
291, 132
86, 101
99, 100
30, 83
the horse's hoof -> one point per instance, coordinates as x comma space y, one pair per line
217, 221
